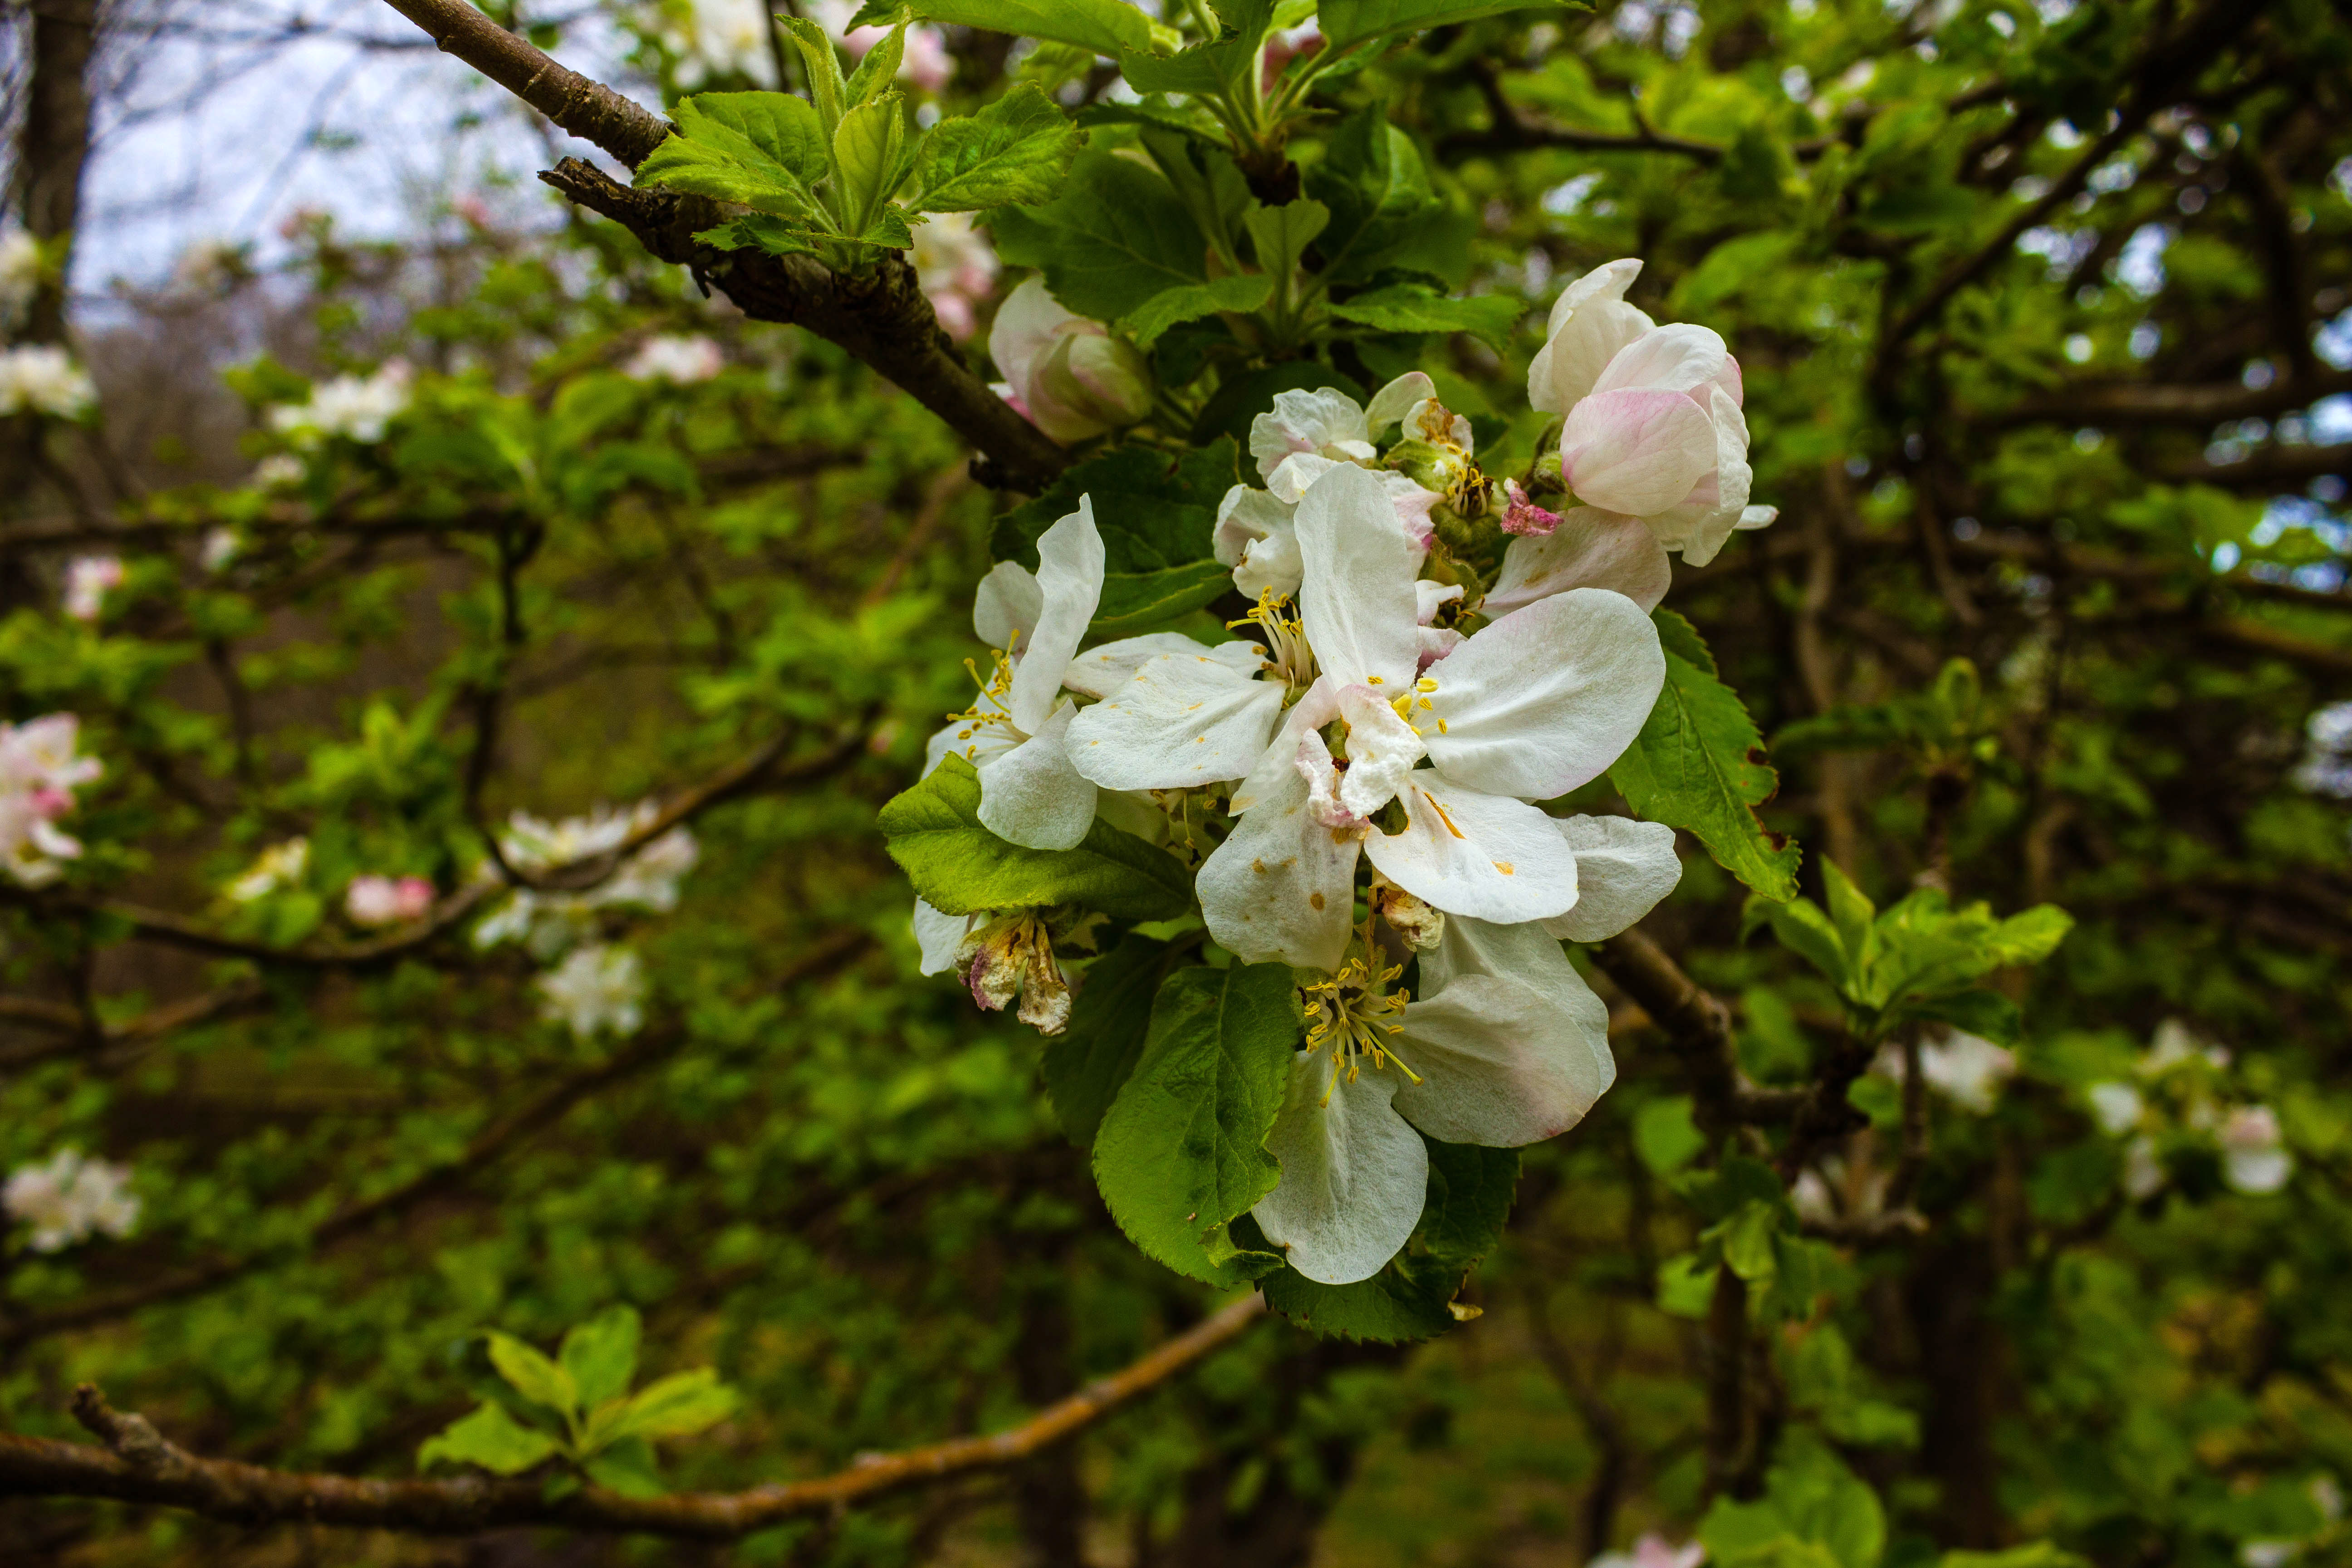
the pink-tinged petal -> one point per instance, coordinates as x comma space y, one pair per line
1302, 421
1069, 584
1548, 698
1281, 888
1484, 856
1354, 1175
1590, 323
1678, 357
1622, 868
1501, 1063
1521, 516
1436, 642
1590, 549
1032, 796
1026, 325
1185, 720
1732, 477
1356, 599
1637, 452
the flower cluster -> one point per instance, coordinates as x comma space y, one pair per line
89, 580
38, 773
41, 378
678, 360
356, 407
375, 901
2179, 1102
596, 989
550, 921
67, 1199
1967, 1069
712, 40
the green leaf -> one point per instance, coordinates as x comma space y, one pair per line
1182, 1150
1243, 292
1088, 1061
776, 236
1142, 602
865, 150
1801, 928
532, 1375
1986, 1013
1470, 1192
1686, 1284
1347, 21
1850, 911
1117, 236
880, 69
491, 1438
1104, 27
1408, 308
764, 150
1016, 152
1373, 178
959, 866
1153, 511
601, 1355
1746, 1241
1282, 234
1698, 764
1813, 1511
674, 1406
1665, 1137
1205, 71
1240, 399
626, 1468
826, 86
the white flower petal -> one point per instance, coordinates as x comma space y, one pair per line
1282, 885
1501, 1063
1389, 404
1354, 1175
1026, 325
1486, 856
1274, 769
938, 936
1382, 750
1430, 597
1757, 517
1732, 478
1304, 421
1069, 580
1099, 672
1032, 796
1636, 451
1184, 719
1590, 323
1004, 612
1356, 602
1678, 357
1243, 517
1546, 698
976, 743
1622, 868
1590, 548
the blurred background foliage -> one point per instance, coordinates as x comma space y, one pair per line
2040, 309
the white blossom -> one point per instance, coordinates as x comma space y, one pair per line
1652, 1550
375, 901
41, 378
219, 549
648, 879
925, 61
678, 360
2253, 1150
279, 470
595, 988
2144, 1173
354, 407
20, 274
956, 269
718, 38
67, 1199
1964, 1069
2173, 1045
39, 771
1013, 734
2115, 1106
88, 579
280, 866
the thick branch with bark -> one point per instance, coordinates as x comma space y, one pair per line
138, 1464
1699, 1025
881, 317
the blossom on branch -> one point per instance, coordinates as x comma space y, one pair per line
39, 771
596, 989
680, 360
387, 900
356, 407
88, 579
1068, 375
41, 378
67, 1199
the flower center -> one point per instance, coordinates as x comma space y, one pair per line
1353, 1014
1287, 653
992, 708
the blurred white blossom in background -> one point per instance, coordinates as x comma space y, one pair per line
67, 1199
595, 988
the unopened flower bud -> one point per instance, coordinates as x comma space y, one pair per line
1422, 926
1096, 378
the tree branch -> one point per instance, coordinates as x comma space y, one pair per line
138, 1464
1699, 1026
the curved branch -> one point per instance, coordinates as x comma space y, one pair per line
139, 1466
